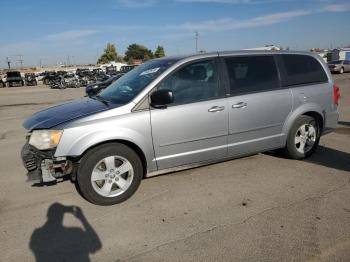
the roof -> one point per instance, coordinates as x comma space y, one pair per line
236, 52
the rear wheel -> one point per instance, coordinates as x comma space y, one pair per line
303, 138
109, 174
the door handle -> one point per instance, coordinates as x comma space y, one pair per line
240, 105
216, 109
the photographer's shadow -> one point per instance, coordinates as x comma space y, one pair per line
55, 242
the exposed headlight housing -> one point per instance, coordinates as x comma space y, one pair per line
45, 139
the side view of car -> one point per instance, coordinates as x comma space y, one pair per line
179, 112
340, 66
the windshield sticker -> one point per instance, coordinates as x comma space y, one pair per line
150, 71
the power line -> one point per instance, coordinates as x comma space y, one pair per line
20, 60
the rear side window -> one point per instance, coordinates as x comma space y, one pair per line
302, 69
249, 74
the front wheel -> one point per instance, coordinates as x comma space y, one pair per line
109, 174
341, 71
303, 138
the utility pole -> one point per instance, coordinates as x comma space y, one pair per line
20, 60
8, 62
196, 36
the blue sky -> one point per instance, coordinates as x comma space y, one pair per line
51, 31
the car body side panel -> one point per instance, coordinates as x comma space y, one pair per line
132, 127
189, 133
313, 98
258, 126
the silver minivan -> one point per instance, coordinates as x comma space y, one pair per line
179, 112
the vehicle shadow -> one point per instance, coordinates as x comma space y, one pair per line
55, 242
344, 123
331, 158
324, 156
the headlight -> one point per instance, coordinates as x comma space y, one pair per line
45, 139
95, 86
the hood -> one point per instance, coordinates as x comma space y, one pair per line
60, 114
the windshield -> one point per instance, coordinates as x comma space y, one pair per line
13, 74
131, 84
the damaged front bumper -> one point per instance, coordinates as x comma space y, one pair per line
43, 167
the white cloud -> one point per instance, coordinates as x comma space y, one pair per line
70, 35
226, 24
337, 8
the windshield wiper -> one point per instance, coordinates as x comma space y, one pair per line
99, 98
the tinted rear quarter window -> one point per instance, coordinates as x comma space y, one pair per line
249, 74
301, 70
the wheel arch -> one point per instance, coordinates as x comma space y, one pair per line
318, 117
312, 110
130, 144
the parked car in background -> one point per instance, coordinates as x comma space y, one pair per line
179, 112
95, 88
125, 69
83, 72
48, 77
14, 78
111, 70
30, 79
340, 66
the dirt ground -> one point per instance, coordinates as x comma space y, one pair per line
258, 208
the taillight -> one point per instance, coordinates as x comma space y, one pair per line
336, 94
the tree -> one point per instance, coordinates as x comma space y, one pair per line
159, 52
138, 52
110, 54
131, 61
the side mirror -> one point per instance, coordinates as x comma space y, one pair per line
161, 98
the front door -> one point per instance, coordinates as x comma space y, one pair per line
194, 128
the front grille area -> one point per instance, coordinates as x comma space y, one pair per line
30, 164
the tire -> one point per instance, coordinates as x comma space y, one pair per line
295, 149
106, 186
341, 70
